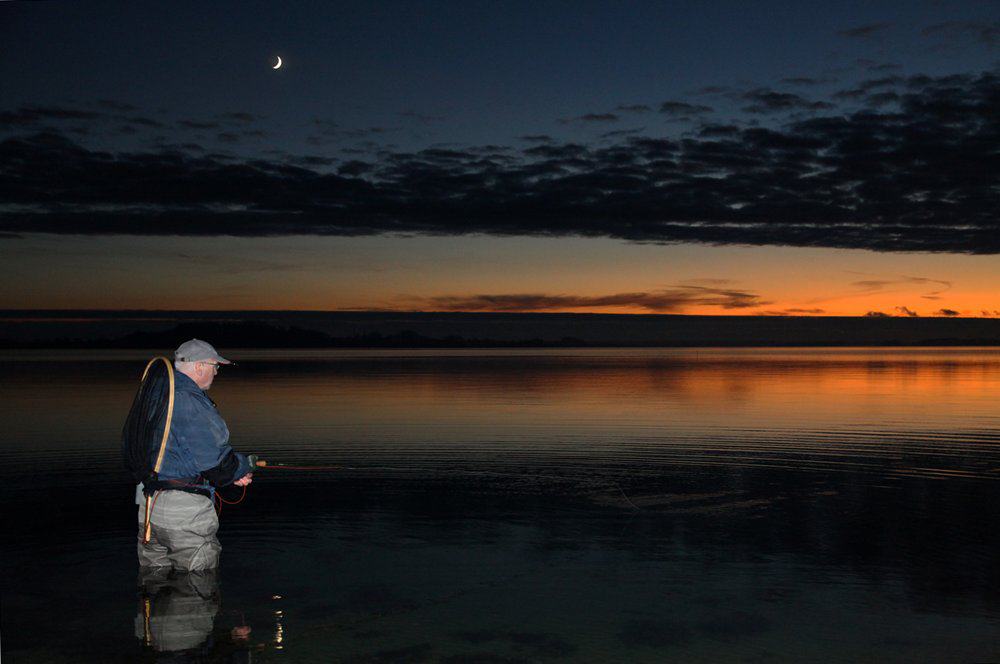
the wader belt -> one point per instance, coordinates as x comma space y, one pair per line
188, 485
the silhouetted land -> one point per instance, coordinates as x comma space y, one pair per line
295, 329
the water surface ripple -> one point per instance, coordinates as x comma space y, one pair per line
642, 505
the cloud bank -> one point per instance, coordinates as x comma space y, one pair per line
670, 300
912, 166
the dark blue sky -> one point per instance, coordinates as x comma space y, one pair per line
466, 73
550, 133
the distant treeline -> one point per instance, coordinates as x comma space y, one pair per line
255, 334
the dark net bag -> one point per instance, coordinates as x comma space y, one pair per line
148, 423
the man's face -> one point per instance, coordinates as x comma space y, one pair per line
205, 374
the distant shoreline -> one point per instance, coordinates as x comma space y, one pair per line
82, 329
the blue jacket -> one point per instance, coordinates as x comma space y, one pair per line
198, 445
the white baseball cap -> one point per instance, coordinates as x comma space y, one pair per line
197, 350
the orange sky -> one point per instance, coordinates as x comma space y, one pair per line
488, 273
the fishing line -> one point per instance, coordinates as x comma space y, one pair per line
452, 471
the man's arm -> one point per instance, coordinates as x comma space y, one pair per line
219, 464
233, 468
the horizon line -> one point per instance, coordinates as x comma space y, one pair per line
4, 312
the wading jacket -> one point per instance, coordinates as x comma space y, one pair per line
198, 450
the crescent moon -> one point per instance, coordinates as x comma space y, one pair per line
277, 66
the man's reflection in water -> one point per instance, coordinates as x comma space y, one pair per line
177, 615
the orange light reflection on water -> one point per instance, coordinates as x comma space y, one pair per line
742, 389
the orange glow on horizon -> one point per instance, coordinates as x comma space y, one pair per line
495, 274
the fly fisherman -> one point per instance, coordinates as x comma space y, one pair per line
196, 460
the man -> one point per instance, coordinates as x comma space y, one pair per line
197, 460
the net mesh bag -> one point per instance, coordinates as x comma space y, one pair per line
147, 425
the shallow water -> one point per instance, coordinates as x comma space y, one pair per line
530, 505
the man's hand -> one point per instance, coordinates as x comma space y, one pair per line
245, 480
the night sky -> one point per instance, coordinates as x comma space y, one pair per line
699, 157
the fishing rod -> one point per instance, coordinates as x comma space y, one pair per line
261, 463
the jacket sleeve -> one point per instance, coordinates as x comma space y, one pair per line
215, 459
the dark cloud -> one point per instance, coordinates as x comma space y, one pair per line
180, 147
806, 80
559, 153
354, 168
118, 106
872, 285
906, 311
313, 160
633, 108
865, 31
365, 132
805, 311
884, 66
768, 101
143, 121
683, 108
947, 312
537, 138
719, 131
198, 124
980, 31
421, 117
866, 87
919, 178
588, 118
877, 314
617, 133
331, 131
28, 116
671, 300
239, 117
490, 149
882, 98
937, 286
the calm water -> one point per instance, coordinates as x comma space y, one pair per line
506, 506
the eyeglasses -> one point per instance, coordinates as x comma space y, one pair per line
213, 364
